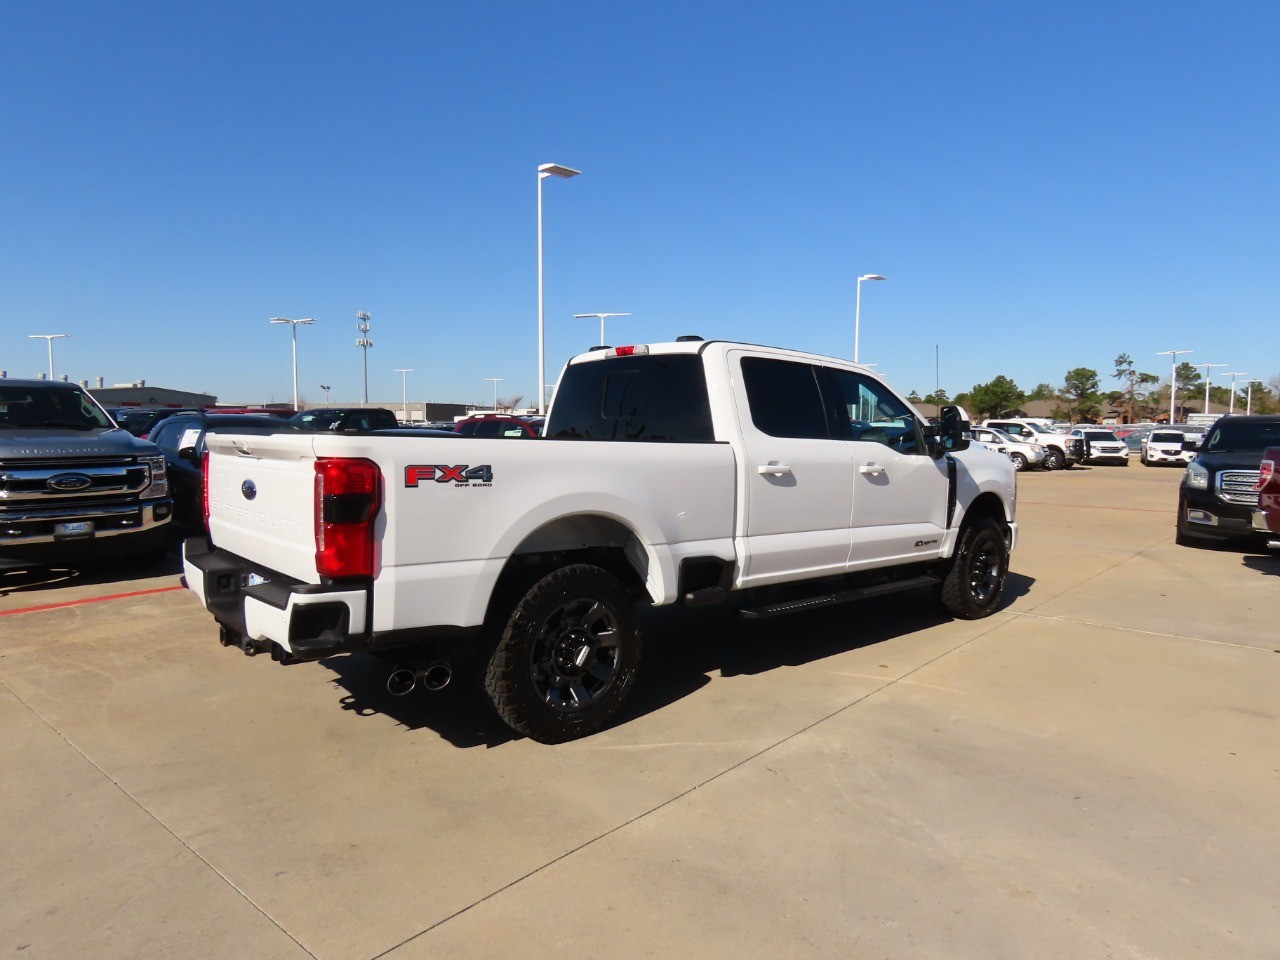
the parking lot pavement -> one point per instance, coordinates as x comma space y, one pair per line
1092, 771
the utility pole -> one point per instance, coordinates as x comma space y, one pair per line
364, 343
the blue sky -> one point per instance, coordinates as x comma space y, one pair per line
1045, 186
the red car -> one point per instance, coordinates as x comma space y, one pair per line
1266, 518
500, 425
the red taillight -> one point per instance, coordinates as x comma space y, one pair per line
204, 489
1265, 472
348, 495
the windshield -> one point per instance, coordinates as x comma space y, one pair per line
1166, 436
1243, 435
1100, 436
30, 408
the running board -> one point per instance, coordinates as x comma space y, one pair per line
832, 599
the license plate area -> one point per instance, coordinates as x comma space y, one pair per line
73, 529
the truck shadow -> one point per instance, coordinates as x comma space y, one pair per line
683, 649
1266, 564
20, 580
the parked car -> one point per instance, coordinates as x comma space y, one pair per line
1023, 453
140, 420
73, 485
345, 419
1102, 446
1061, 451
497, 425
1219, 492
181, 438
1168, 446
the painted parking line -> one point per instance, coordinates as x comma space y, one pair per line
76, 603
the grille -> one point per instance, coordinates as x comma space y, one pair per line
27, 484
1237, 486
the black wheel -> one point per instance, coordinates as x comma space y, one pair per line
567, 655
975, 579
1054, 459
1019, 461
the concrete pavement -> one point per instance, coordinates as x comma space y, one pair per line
1091, 772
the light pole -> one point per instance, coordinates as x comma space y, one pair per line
293, 326
857, 311
404, 392
364, 343
545, 170
1248, 410
1206, 380
1173, 380
48, 338
602, 316
325, 388
1232, 408
496, 381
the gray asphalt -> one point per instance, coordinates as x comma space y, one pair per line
1092, 772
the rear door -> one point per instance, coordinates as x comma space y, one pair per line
795, 478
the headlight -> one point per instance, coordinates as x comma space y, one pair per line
159, 486
1197, 477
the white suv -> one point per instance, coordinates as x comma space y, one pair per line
1103, 445
1165, 446
1024, 453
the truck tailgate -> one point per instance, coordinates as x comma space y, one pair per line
261, 500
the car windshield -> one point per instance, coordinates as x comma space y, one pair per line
31, 408
1100, 436
1242, 435
1166, 436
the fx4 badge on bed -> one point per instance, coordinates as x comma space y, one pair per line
463, 475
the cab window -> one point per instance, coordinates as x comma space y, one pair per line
784, 398
868, 411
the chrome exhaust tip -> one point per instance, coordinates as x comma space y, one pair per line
401, 682
437, 675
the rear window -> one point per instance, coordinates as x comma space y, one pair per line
656, 398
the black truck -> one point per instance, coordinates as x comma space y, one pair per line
73, 485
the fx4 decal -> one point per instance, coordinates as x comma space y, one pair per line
464, 474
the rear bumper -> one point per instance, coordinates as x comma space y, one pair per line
307, 621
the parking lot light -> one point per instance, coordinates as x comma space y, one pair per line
602, 316
1207, 367
496, 381
1232, 407
564, 173
293, 325
857, 311
404, 391
48, 338
1173, 380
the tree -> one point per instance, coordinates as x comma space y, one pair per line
1134, 388
1043, 391
997, 398
509, 403
915, 397
1080, 391
938, 398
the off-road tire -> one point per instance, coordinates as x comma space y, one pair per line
1019, 461
975, 578
566, 657
1054, 459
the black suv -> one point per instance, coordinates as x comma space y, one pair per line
345, 419
1219, 489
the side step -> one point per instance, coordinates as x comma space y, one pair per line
832, 599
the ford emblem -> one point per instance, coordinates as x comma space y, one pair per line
68, 482
249, 489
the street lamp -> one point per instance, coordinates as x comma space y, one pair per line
404, 392
1206, 380
325, 388
588, 316
1232, 408
364, 343
1173, 380
496, 381
545, 170
48, 338
293, 326
857, 311
1248, 410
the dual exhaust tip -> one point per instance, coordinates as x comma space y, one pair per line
405, 678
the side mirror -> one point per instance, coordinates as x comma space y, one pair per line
952, 430
189, 454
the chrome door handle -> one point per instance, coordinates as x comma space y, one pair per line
871, 469
773, 469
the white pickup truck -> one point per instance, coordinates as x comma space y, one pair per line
687, 473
